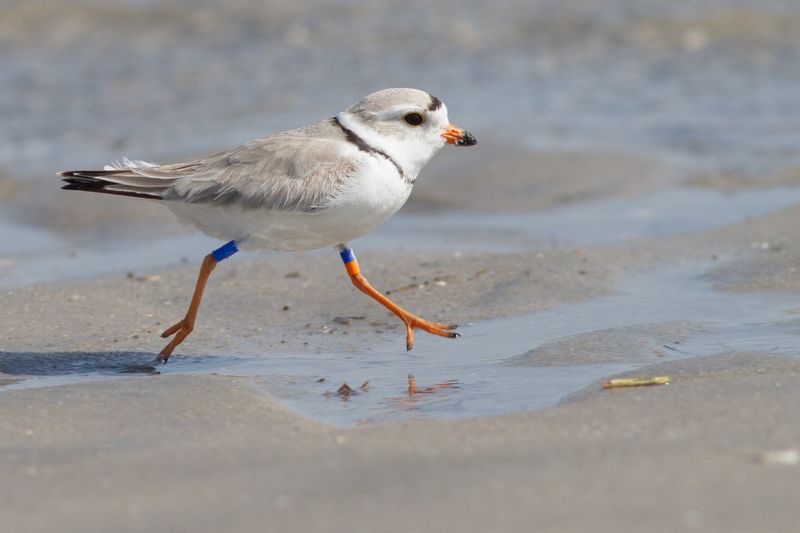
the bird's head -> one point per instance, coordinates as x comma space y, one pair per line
407, 124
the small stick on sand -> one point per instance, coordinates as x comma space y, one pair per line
636, 382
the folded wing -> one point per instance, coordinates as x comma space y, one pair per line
298, 170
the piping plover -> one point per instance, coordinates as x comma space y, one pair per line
317, 186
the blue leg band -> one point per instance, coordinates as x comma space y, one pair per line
225, 251
347, 255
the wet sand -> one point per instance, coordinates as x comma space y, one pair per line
631, 209
208, 452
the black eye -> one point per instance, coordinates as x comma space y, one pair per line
414, 119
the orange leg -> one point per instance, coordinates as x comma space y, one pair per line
182, 329
411, 321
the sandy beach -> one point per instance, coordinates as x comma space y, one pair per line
208, 453
625, 213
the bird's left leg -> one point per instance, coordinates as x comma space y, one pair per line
182, 329
411, 321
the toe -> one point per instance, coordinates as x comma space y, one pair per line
172, 330
409, 337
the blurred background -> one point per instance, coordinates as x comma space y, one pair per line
708, 88
632, 205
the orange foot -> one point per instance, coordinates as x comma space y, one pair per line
181, 330
413, 322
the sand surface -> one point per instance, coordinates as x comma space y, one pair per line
207, 453
631, 209
211, 452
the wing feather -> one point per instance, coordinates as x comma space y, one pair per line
298, 170
302, 170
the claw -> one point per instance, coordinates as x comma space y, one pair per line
181, 330
413, 322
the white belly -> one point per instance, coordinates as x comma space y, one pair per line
372, 197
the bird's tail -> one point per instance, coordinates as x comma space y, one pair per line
119, 178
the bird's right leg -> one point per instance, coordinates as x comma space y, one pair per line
410, 320
182, 329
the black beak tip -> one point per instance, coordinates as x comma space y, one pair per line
467, 140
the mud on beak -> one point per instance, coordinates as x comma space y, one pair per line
455, 135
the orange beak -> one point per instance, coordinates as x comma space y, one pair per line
455, 135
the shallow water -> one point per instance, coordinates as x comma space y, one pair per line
496, 367
711, 82
709, 85
486, 371
478, 363
601, 222
39, 256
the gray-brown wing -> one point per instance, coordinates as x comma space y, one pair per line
301, 170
